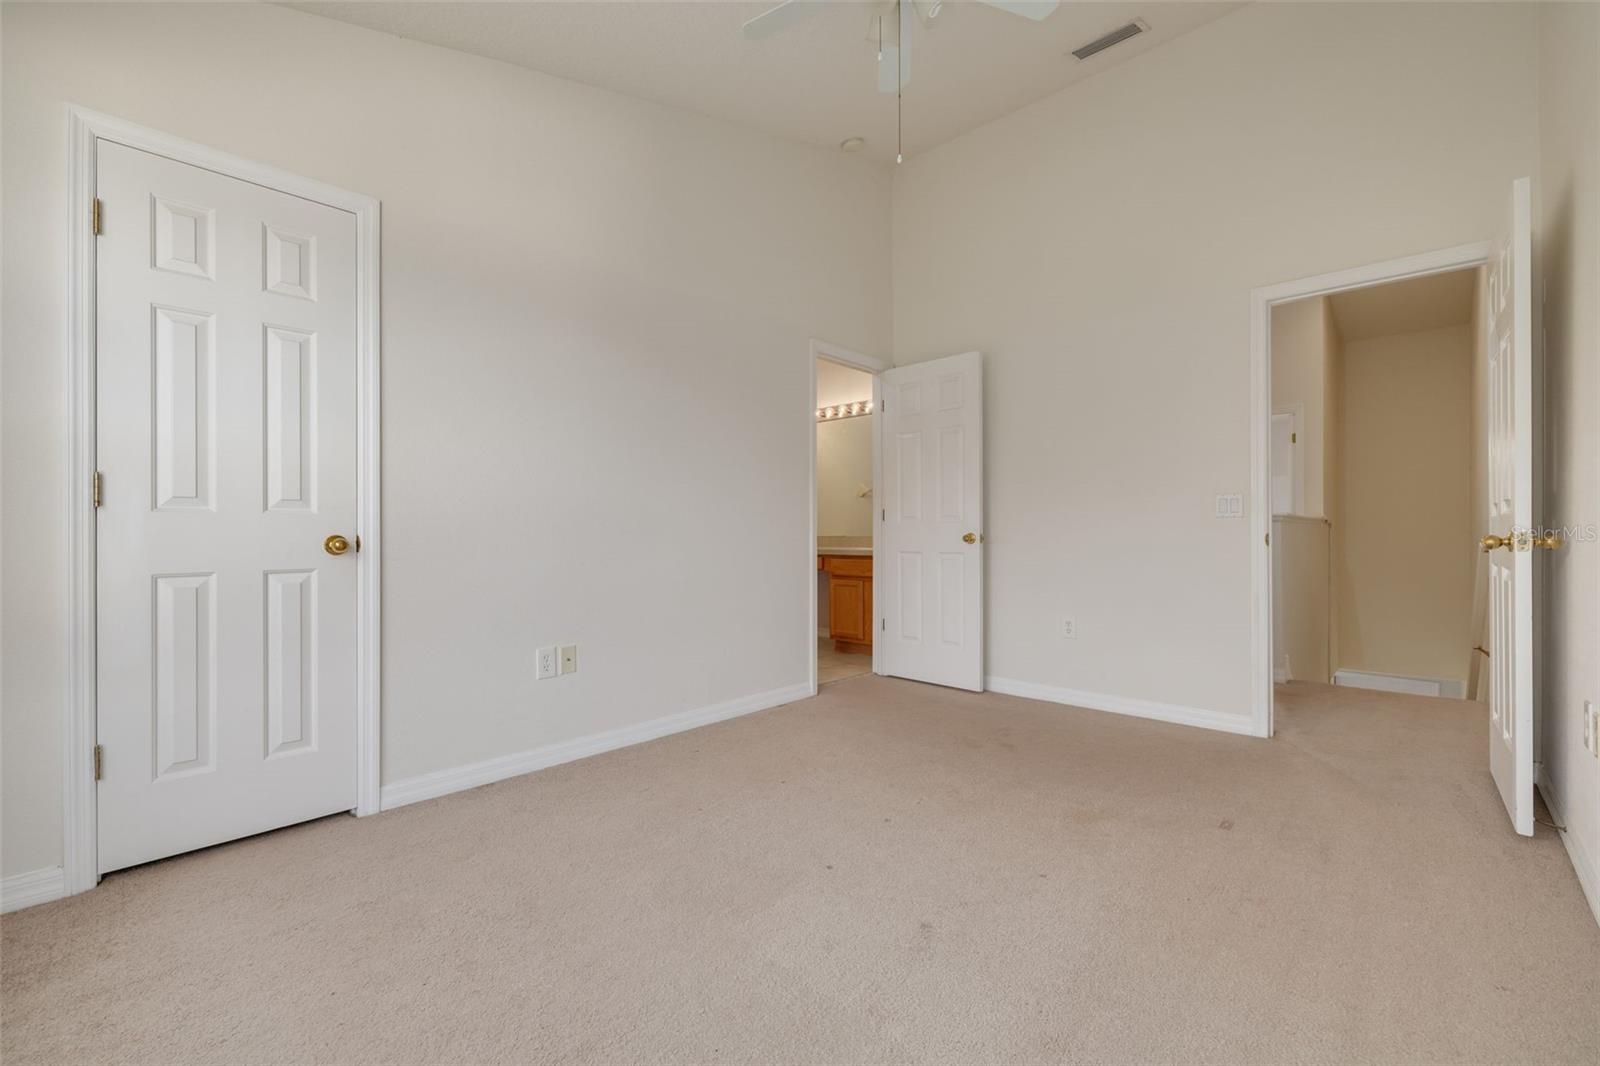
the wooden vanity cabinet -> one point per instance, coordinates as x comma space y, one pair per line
849, 600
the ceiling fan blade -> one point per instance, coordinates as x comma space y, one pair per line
779, 18
1028, 9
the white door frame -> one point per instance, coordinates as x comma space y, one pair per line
834, 353
1262, 301
84, 129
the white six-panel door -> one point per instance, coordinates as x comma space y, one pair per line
226, 391
1510, 472
930, 581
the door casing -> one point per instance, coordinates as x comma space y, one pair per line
1262, 301
85, 129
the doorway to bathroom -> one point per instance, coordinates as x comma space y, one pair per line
845, 514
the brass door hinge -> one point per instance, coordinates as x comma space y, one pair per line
96, 213
97, 497
99, 762
1294, 438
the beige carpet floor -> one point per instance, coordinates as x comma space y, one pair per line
888, 872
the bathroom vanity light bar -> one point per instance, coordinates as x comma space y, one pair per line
844, 410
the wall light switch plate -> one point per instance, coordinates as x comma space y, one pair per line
546, 663
1230, 505
569, 658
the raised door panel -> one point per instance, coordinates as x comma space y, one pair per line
184, 426
289, 378
184, 668
291, 661
185, 237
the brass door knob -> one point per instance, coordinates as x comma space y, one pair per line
969, 538
1548, 541
1491, 542
336, 545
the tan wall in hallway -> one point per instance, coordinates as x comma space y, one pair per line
1405, 587
1300, 585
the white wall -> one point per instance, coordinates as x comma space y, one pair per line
1569, 239
1100, 247
596, 324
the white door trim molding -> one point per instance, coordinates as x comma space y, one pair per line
1262, 301
84, 129
835, 353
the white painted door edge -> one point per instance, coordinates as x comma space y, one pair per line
84, 129
1262, 301
835, 353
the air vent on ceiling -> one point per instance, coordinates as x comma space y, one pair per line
1116, 36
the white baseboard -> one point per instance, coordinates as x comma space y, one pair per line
36, 886
1096, 701
1582, 862
456, 779
1416, 686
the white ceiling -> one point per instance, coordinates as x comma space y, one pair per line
1430, 302
837, 383
815, 81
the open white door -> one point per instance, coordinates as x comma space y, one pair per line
930, 556
1510, 471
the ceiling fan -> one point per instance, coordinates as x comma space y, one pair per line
889, 27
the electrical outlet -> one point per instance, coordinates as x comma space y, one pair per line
546, 663
569, 658
1069, 628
